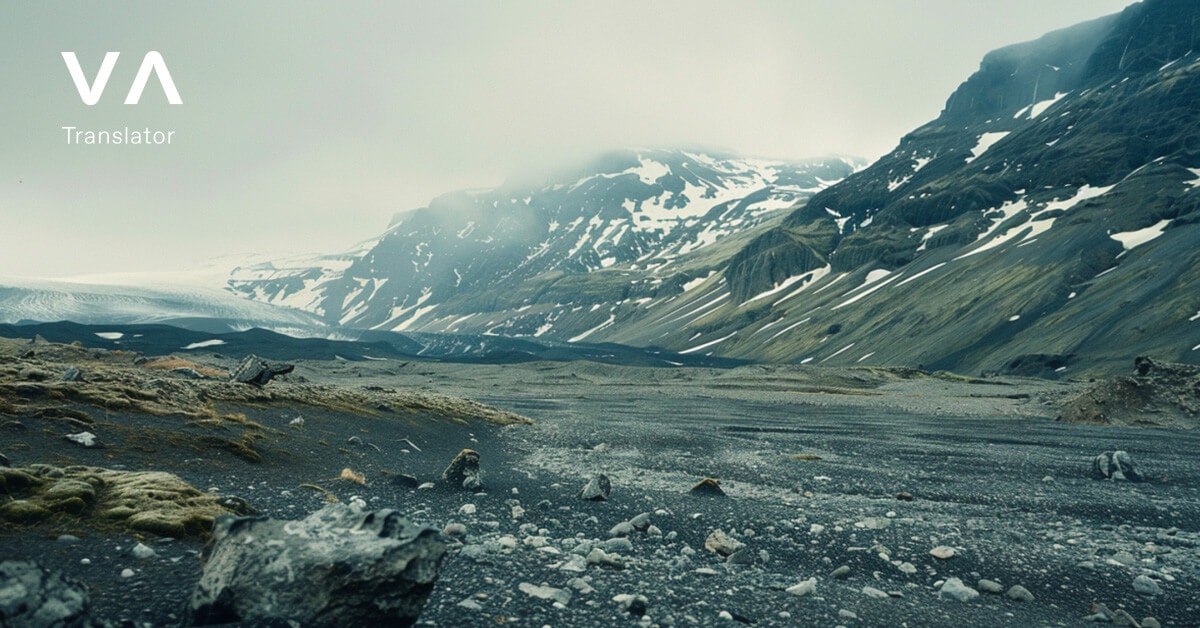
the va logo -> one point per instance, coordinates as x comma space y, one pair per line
152, 62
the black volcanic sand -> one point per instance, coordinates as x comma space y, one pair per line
990, 473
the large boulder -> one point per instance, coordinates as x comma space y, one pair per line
32, 597
258, 372
464, 471
337, 567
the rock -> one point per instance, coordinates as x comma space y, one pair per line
804, 588
256, 371
1019, 593
640, 522
904, 496
464, 471
600, 557
597, 489
1114, 465
618, 545
841, 573
954, 589
942, 552
743, 556
621, 529
87, 439
907, 568
562, 596
1122, 618
1144, 585
335, 567
127, 573
142, 552
708, 486
875, 593
722, 544
575, 563
467, 509
989, 586
187, 372
634, 604
72, 374
31, 596
1150, 622
4, 461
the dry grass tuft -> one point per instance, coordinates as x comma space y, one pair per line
347, 474
172, 362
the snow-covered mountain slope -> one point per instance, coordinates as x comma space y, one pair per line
631, 222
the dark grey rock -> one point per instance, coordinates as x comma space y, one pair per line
464, 471
72, 374
708, 486
32, 597
1019, 593
741, 556
1114, 465
188, 372
337, 567
4, 461
258, 372
597, 489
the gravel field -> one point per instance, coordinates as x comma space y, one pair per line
839, 484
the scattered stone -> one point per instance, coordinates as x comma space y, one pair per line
467, 509
1150, 622
471, 605
405, 480
1114, 465
904, 496
1144, 585
874, 523
722, 544
907, 568
600, 557
708, 486
72, 374
989, 586
942, 552
640, 522
31, 596
142, 552
454, 529
875, 593
954, 589
542, 592
618, 545
1122, 618
1100, 613
597, 489
87, 439
575, 563
804, 588
1048, 479
841, 573
1124, 557
335, 567
847, 614
187, 372
256, 371
621, 529
464, 471
127, 573
1019, 593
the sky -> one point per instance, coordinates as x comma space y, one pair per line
304, 127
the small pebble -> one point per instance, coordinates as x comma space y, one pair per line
1143, 584
989, 586
1019, 593
127, 573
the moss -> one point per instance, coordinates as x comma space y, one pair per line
23, 511
70, 505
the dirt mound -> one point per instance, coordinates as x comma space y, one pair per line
1158, 394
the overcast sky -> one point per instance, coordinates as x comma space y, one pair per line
306, 126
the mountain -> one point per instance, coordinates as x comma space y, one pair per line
554, 254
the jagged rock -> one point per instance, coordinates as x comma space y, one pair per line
708, 486
720, 543
31, 596
597, 489
1114, 465
464, 471
256, 371
4, 461
187, 372
72, 374
87, 439
562, 596
337, 567
145, 501
1145, 585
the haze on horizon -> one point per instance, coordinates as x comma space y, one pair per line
306, 127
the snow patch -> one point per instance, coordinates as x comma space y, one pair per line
985, 141
215, 342
1040, 107
1132, 239
709, 344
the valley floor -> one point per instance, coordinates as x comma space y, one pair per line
812, 461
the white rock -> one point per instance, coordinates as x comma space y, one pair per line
142, 552
1143, 584
875, 593
467, 509
804, 588
87, 439
954, 589
127, 573
575, 563
942, 551
470, 604
907, 567
561, 596
426, 486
